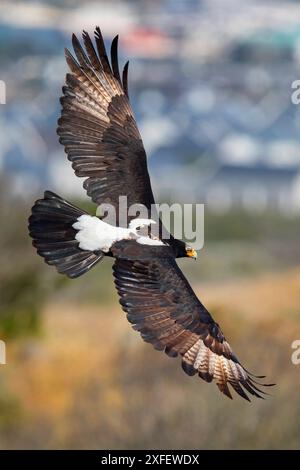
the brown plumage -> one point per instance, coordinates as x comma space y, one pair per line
102, 141
97, 127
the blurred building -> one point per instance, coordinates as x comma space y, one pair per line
210, 87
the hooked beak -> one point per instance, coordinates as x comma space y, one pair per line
191, 253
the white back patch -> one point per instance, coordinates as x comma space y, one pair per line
94, 234
149, 241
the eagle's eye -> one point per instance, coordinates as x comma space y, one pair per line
190, 252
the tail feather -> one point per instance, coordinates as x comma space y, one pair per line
50, 226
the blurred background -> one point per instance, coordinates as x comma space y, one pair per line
210, 84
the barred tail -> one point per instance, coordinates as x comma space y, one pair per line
50, 226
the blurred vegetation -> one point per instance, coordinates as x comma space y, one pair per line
241, 225
91, 382
236, 244
79, 377
22, 289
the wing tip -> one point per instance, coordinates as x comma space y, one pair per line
189, 369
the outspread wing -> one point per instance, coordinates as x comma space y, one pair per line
97, 127
162, 306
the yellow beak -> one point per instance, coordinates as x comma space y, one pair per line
191, 253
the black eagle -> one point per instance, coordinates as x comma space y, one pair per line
103, 143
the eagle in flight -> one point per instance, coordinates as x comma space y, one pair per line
101, 139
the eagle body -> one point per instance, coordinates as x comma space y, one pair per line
103, 144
